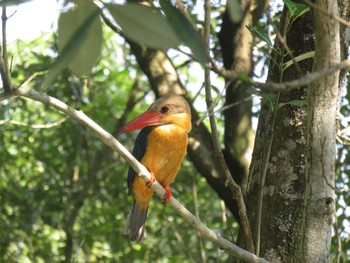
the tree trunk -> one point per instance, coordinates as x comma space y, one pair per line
322, 100
293, 160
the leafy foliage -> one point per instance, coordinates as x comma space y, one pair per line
63, 181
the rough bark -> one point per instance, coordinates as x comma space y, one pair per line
321, 131
344, 12
280, 148
297, 144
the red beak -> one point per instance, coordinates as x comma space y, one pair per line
147, 118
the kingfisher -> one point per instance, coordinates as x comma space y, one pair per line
161, 147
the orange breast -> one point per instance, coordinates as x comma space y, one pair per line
166, 148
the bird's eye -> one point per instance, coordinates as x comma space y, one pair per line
164, 110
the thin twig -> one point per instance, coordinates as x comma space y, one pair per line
35, 126
196, 213
4, 37
234, 187
344, 131
110, 24
339, 243
226, 107
343, 139
4, 69
32, 76
215, 103
284, 86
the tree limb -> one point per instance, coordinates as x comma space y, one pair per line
284, 86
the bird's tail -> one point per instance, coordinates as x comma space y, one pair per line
135, 223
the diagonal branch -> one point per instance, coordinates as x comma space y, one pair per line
110, 141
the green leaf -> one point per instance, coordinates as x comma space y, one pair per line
145, 25
90, 42
258, 32
269, 99
185, 31
234, 10
254, 91
297, 103
301, 57
296, 9
69, 50
244, 77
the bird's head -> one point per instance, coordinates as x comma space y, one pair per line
167, 110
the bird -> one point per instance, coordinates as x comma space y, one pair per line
161, 147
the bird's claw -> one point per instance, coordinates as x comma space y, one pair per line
151, 181
167, 195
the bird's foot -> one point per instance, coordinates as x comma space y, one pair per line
151, 181
167, 195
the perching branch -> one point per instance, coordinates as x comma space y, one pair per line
110, 141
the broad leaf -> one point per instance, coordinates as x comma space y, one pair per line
244, 77
296, 9
185, 31
69, 23
70, 48
145, 25
297, 103
301, 57
258, 32
269, 99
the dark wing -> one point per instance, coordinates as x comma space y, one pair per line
138, 152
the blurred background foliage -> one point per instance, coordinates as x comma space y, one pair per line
61, 185
63, 193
